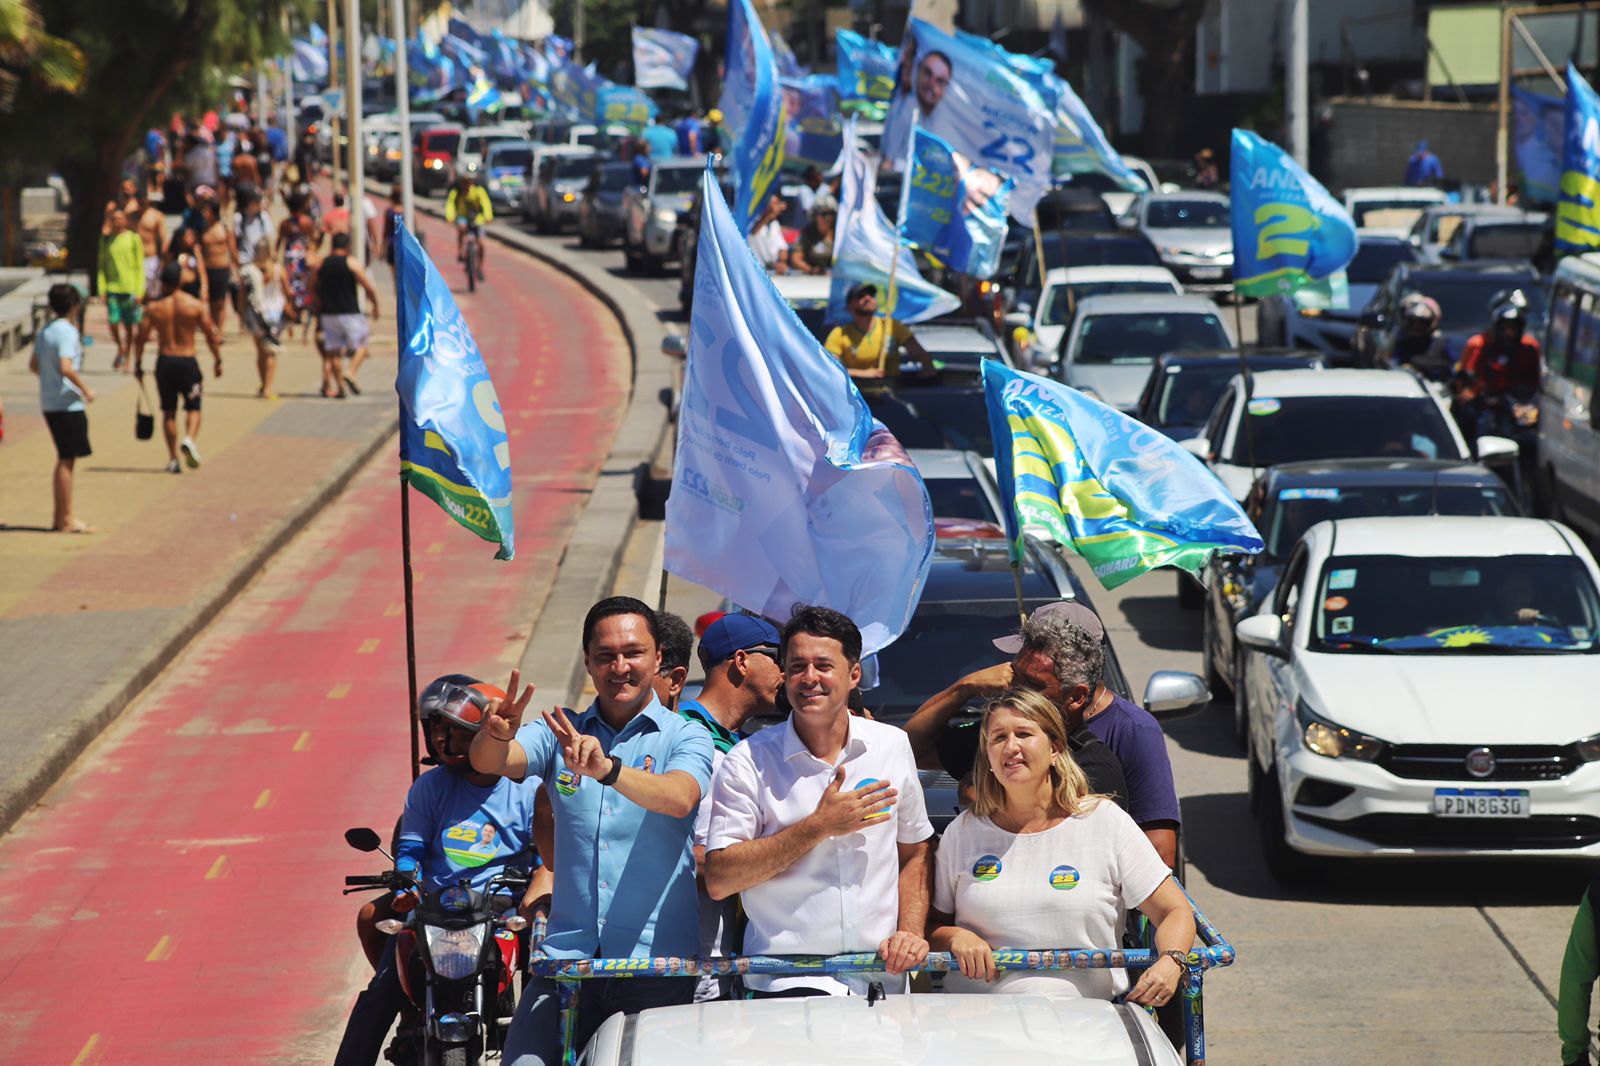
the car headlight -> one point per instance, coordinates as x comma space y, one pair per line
666, 216
436, 164
1332, 741
1589, 749
568, 197
455, 951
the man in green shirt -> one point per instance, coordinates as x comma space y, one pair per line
121, 282
1580, 968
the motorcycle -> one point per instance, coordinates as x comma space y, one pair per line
459, 950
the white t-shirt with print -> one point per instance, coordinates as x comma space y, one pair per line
1067, 887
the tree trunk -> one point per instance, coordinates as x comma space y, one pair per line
92, 182
1164, 78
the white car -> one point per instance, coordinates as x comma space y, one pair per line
1292, 416
1064, 289
807, 295
1113, 340
1426, 687
961, 489
1389, 210
475, 143
1021, 1030
1191, 232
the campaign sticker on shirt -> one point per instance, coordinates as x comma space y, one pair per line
471, 843
1064, 878
647, 764
987, 868
882, 812
567, 782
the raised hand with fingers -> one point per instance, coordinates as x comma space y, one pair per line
502, 718
839, 812
582, 753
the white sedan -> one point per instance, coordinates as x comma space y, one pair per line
1426, 687
1290, 416
1036, 333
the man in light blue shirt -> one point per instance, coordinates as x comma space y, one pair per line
58, 360
625, 779
663, 140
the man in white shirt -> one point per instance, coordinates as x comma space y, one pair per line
801, 821
766, 238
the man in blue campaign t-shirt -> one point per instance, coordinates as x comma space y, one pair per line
457, 823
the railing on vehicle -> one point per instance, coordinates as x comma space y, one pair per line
1214, 951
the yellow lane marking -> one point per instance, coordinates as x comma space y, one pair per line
88, 1049
161, 952
368, 646
394, 610
339, 691
219, 869
264, 800
303, 742
436, 548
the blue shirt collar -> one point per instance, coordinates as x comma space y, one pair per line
651, 718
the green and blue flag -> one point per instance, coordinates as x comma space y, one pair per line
1578, 210
1287, 229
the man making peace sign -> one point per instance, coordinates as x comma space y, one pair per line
625, 778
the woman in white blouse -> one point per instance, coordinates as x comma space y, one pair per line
1039, 862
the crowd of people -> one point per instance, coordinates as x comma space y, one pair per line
654, 814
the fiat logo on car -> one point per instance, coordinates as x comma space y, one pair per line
1480, 762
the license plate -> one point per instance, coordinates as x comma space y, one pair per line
1205, 273
1480, 803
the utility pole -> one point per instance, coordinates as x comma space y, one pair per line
577, 31
357, 201
333, 83
1295, 91
402, 99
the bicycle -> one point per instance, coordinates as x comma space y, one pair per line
472, 257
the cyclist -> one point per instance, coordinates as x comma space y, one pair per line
468, 207
457, 823
1417, 342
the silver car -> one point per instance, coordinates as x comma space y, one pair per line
1113, 341
650, 212
1192, 234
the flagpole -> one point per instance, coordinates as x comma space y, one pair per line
899, 220
1016, 582
405, 542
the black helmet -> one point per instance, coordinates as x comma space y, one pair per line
460, 700
1509, 308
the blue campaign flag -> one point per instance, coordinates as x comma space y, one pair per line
1287, 230
1537, 124
463, 30
1122, 495
309, 63
319, 36
466, 53
558, 47
865, 246
432, 74
506, 64
783, 55
785, 490
1578, 211
663, 59
1081, 146
954, 211
453, 443
983, 101
627, 104
812, 132
866, 68
752, 108
482, 99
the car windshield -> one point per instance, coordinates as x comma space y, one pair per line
959, 497
570, 168
1464, 299
592, 139
935, 416
674, 180
1387, 214
1374, 260
1508, 604
1139, 338
441, 142
953, 635
1130, 250
1186, 214
1103, 183
1518, 240
1188, 393
1298, 509
1061, 300
511, 157
1298, 429
1444, 227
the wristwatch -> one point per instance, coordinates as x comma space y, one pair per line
611, 775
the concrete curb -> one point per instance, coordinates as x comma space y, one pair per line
593, 554
112, 698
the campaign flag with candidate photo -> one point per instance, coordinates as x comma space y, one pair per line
812, 130
955, 212
752, 108
626, 104
866, 68
453, 444
1081, 146
1122, 495
865, 245
1578, 210
785, 490
981, 102
663, 59
1538, 123
1287, 229
308, 64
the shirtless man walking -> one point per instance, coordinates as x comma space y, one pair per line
220, 256
174, 319
151, 225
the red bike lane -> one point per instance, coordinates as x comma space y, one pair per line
176, 895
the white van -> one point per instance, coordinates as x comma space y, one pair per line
1569, 421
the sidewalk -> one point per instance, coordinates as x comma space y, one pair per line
169, 550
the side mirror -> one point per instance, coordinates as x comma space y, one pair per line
1171, 691
1198, 447
1263, 632
1492, 449
363, 839
675, 345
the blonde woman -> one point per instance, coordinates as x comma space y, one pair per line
1038, 861
266, 294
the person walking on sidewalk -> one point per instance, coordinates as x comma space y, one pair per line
121, 282
220, 255
343, 327
151, 225
57, 359
174, 319
266, 294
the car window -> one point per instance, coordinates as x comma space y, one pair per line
959, 497
1217, 431
674, 180
1387, 214
1558, 334
1375, 259
1060, 300
1444, 227
1507, 604
1464, 299
1298, 509
570, 167
1287, 594
1186, 214
1296, 429
1586, 342
511, 157
1139, 338
1515, 241
1188, 393
614, 178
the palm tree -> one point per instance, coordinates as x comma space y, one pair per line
27, 51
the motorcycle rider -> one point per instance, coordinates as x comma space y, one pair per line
457, 822
1417, 342
1497, 381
